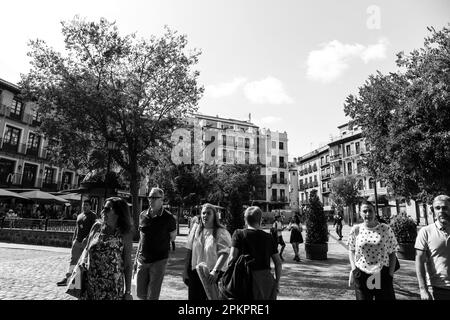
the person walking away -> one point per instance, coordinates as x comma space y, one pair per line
262, 248
433, 253
372, 254
278, 225
338, 224
84, 223
209, 242
157, 228
108, 258
296, 236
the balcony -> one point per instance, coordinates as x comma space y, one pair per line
301, 187
283, 199
4, 110
283, 165
273, 198
324, 163
314, 168
335, 157
326, 176
22, 148
283, 181
315, 184
273, 180
325, 190
15, 116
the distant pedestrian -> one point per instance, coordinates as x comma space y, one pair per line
260, 246
209, 243
296, 236
157, 229
338, 224
108, 256
85, 221
372, 247
433, 253
278, 226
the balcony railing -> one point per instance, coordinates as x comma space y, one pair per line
22, 148
283, 181
17, 180
335, 157
315, 184
326, 175
273, 180
283, 165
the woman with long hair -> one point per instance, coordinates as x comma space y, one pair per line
108, 254
296, 236
208, 243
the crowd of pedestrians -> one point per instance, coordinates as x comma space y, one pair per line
219, 265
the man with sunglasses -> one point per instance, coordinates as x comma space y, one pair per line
433, 253
157, 228
85, 220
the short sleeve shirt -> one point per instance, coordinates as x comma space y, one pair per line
258, 244
435, 241
372, 246
205, 248
155, 236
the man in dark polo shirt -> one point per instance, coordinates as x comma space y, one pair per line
157, 229
85, 220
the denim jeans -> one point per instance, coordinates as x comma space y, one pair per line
149, 278
384, 292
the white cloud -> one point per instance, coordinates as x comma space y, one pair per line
375, 51
269, 90
224, 89
330, 62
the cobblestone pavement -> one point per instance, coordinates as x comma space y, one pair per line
31, 272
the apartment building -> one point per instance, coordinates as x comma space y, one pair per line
216, 140
24, 160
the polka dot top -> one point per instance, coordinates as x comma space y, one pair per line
372, 246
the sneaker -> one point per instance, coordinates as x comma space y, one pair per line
61, 283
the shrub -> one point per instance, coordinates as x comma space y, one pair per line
405, 229
316, 221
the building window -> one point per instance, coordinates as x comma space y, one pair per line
16, 108
281, 145
33, 142
274, 194
360, 185
224, 140
274, 144
247, 157
349, 168
247, 143
49, 175
282, 165
327, 159
358, 151
224, 155
347, 149
382, 184
371, 183
282, 195
282, 177
12, 136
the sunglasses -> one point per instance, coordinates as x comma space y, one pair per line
106, 209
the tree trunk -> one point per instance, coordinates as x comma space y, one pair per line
134, 190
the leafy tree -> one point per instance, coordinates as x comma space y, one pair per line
316, 221
108, 87
344, 192
405, 120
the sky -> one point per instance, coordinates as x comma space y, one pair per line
287, 64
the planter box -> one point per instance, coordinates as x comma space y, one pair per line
316, 251
406, 251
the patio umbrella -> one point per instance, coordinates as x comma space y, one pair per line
9, 194
38, 195
71, 196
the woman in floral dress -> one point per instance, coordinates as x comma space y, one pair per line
108, 256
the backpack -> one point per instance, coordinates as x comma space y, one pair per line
397, 263
236, 282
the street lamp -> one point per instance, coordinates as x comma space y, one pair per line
110, 146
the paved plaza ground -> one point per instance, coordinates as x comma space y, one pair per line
30, 273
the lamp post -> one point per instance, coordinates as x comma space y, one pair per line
110, 146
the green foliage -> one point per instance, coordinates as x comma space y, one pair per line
405, 119
405, 229
316, 221
344, 191
109, 87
